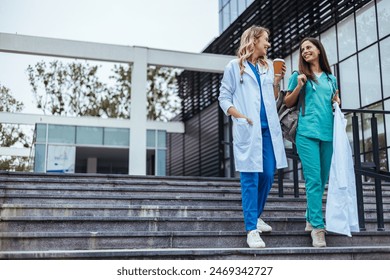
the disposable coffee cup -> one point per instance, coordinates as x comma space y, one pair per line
278, 64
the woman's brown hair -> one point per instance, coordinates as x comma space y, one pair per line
304, 67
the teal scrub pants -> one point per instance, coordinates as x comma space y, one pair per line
316, 157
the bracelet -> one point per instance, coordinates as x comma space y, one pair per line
276, 85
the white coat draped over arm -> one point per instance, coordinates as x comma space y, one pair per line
246, 98
341, 204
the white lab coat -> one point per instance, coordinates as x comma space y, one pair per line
341, 204
245, 97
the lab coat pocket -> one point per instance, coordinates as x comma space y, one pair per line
267, 86
241, 131
268, 80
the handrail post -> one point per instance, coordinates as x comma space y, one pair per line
378, 182
358, 176
295, 173
280, 181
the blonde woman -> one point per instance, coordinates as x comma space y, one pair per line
247, 94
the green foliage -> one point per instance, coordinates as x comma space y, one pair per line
163, 101
8, 103
76, 89
68, 89
14, 164
10, 134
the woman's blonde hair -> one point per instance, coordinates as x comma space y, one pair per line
247, 44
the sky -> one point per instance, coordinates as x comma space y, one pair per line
182, 25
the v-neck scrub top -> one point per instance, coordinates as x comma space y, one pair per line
317, 122
263, 115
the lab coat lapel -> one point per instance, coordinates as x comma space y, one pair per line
249, 71
262, 77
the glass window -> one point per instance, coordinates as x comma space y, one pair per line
387, 119
346, 37
62, 134
328, 39
89, 135
224, 2
161, 139
288, 71
367, 128
61, 158
233, 10
388, 162
151, 138
226, 16
295, 60
39, 159
366, 25
349, 130
383, 8
220, 22
226, 135
41, 132
116, 136
385, 63
368, 144
161, 162
227, 169
349, 88
241, 6
150, 162
369, 76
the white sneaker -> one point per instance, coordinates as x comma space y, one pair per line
254, 240
318, 236
262, 226
308, 227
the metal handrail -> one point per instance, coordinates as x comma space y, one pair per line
365, 111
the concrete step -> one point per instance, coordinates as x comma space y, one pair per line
112, 191
120, 216
42, 241
88, 210
161, 199
293, 253
127, 224
61, 180
112, 210
195, 189
6, 176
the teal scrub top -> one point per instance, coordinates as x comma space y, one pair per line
317, 122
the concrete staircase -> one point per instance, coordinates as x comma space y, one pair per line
46, 216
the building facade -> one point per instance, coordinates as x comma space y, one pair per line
103, 145
229, 10
356, 37
93, 149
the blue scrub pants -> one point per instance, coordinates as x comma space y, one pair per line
255, 186
316, 157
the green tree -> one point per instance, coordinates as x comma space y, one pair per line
12, 135
71, 89
75, 89
163, 101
